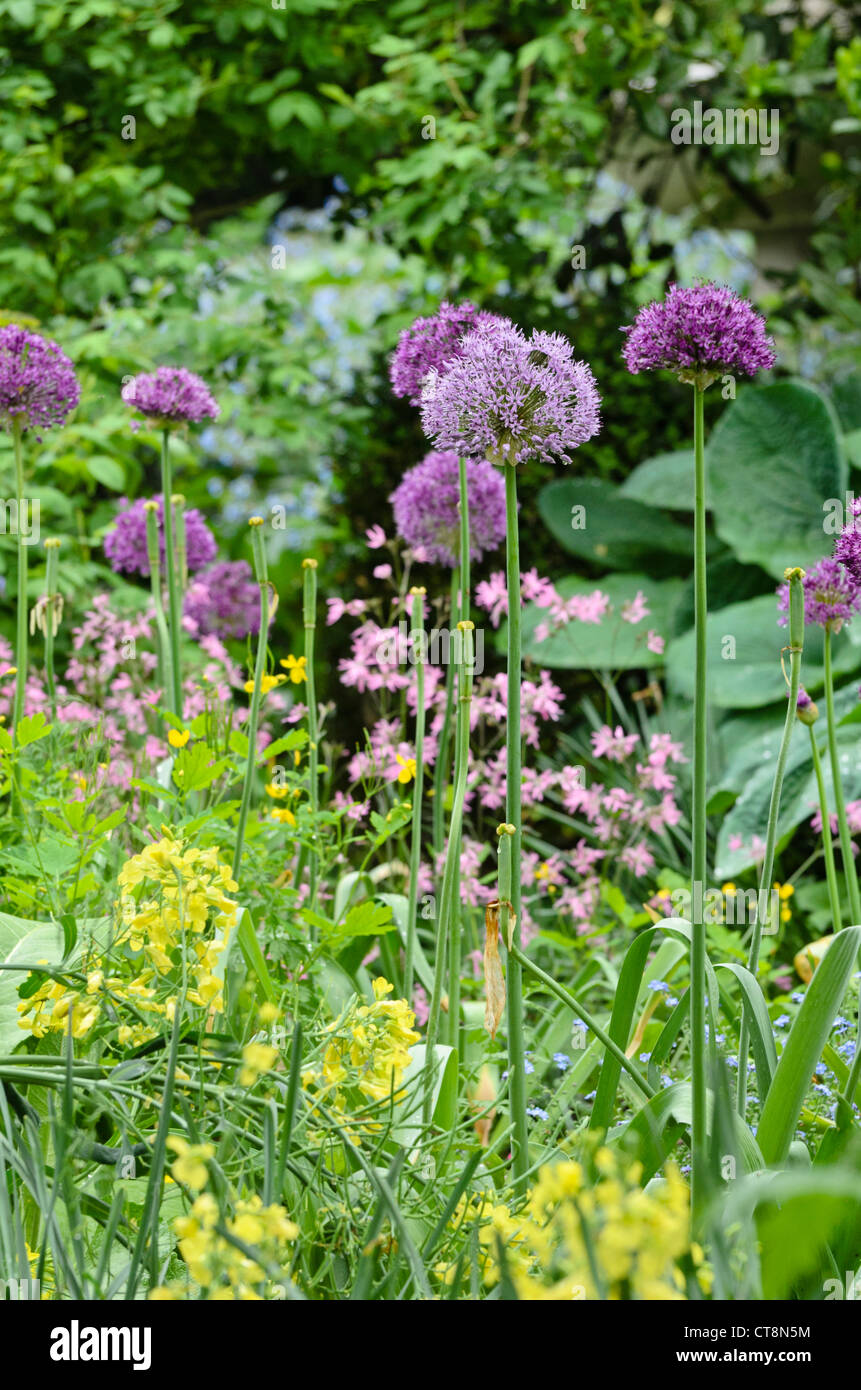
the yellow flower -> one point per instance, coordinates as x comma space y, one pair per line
295, 665
178, 738
267, 683
281, 813
257, 1057
408, 769
275, 791
190, 1166
268, 1012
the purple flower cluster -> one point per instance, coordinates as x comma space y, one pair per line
511, 398
224, 600
700, 333
38, 386
431, 344
831, 595
170, 396
427, 512
848, 547
126, 546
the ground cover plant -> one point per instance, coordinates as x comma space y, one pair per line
430, 788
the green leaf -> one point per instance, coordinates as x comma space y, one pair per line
107, 471
591, 519
667, 480
367, 918
807, 1037
612, 644
773, 456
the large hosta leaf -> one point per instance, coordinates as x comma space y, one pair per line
773, 458
612, 530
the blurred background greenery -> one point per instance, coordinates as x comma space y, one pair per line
267, 193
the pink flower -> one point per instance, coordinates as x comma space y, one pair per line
638, 859
492, 595
654, 642
382, 571
614, 744
376, 537
635, 609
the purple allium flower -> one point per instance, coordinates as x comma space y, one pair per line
37, 381
700, 333
432, 343
831, 595
224, 600
126, 546
512, 398
170, 396
427, 511
848, 547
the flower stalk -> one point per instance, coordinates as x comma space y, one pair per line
21, 615
699, 1157
174, 602
165, 669
827, 839
796, 647
448, 910
53, 612
846, 854
262, 575
309, 619
514, 984
418, 627
441, 766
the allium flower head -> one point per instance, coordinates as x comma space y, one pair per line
170, 396
38, 386
432, 343
427, 513
831, 595
512, 398
224, 600
848, 547
699, 333
126, 546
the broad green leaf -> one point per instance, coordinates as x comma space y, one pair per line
612, 644
807, 1037
591, 519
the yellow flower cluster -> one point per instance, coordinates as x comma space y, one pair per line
572, 1229
165, 889
368, 1048
221, 1269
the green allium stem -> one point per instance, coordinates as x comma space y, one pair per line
699, 1156
827, 840
839, 799
309, 619
177, 507
164, 654
796, 644
418, 626
52, 613
262, 575
441, 766
514, 983
21, 623
447, 913
456, 934
174, 605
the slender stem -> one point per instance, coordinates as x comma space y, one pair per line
699, 1157
514, 983
259, 551
839, 799
456, 935
153, 552
173, 594
53, 606
418, 622
309, 618
796, 644
441, 767
450, 886
21, 625
827, 840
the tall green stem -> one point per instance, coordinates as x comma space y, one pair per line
441, 766
418, 627
699, 1156
174, 604
456, 934
53, 610
796, 644
309, 618
827, 840
451, 876
21, 624
839, 799
514, 983
262, 575
154, 554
